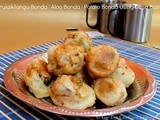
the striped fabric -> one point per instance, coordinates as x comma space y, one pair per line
12, 108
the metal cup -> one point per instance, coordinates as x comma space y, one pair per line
105, 20
137, 23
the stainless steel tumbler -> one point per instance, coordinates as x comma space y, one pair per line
137, 23
104, 8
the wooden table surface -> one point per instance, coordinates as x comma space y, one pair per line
21, 29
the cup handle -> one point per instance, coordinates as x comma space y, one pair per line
97, 25
110, 32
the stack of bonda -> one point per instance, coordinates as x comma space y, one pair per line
74, 63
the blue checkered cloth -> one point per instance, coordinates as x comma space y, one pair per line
12, 108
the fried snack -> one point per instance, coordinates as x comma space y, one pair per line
84, 76
124, 73
102, 61
37, 78
80, 39
70, 92
65, 59
110, 91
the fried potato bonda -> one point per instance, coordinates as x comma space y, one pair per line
110, 91
124, 73
71, 92
101, 61
37, 78
65, 59
79, 38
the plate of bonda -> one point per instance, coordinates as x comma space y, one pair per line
64, 88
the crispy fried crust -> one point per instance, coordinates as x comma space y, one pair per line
110, 91
71, 92
102, 61
124, 73
36, 76
65, 59
80, 39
